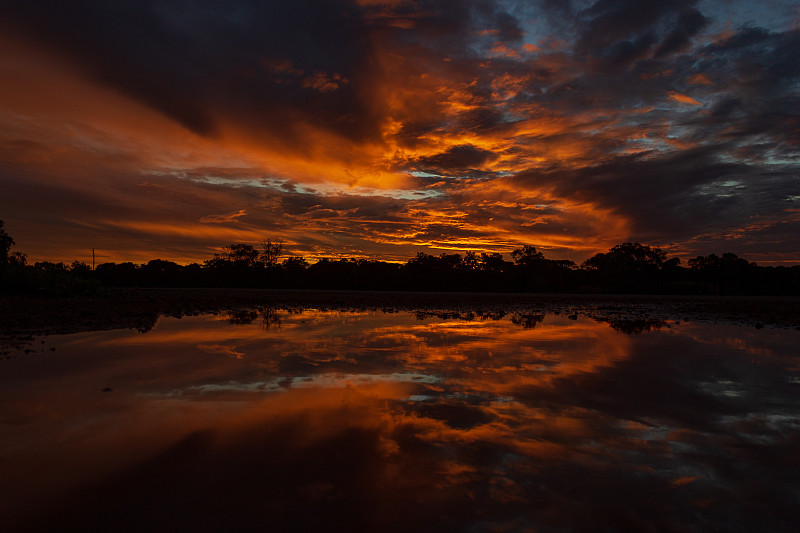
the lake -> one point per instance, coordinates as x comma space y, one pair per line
301, 420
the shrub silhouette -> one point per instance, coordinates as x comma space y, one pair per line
628, 267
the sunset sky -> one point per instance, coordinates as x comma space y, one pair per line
382, 128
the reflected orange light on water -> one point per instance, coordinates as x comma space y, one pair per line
384, 421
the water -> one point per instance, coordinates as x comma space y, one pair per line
372, 421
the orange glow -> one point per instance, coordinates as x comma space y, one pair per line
376, 405
700, 79
682, 98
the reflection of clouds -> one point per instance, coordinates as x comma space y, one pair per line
473, 424
229, 351
330, 380
739, 339
311, 342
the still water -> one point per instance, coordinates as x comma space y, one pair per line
375, 421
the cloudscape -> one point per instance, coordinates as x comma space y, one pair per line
382, 128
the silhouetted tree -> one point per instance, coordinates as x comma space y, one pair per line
630, 256
494, 263
270, 252
17, 259
732, 273
244, 254
527, 256
236, 265
161, 273
535, 273
47, 266
6, 242
446, 272
80, 268
626, 267
120, 275
293, 270
493, 274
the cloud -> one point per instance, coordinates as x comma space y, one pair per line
686, 196
177, 59
170, 115
456, 158
226, 217
689, 24
682, 98
699, 79
325, 82
624, 30
228, 351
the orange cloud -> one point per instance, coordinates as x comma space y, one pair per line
682, 98
430, 132
499, 49
324, 82
227, 217
699, 79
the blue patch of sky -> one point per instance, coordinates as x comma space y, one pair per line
773, 15
421, 174
286, 186
721, 189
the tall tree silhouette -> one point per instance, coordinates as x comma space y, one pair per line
270, 252
6, 242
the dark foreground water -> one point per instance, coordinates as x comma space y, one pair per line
372, 421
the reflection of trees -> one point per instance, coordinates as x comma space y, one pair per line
242, 317
12, 344
526, 320
512, 442
269, 317
456, 315
638, 325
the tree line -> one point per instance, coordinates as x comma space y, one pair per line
625, 268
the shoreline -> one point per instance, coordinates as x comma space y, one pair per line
140, 309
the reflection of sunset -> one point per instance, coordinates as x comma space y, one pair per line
491, 351
361, 416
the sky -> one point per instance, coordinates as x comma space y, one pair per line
383, 128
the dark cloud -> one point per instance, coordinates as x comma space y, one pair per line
461, 157
265, 64
756, 102
673, 197
622, 53
192, 62
608, 22
689, 23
